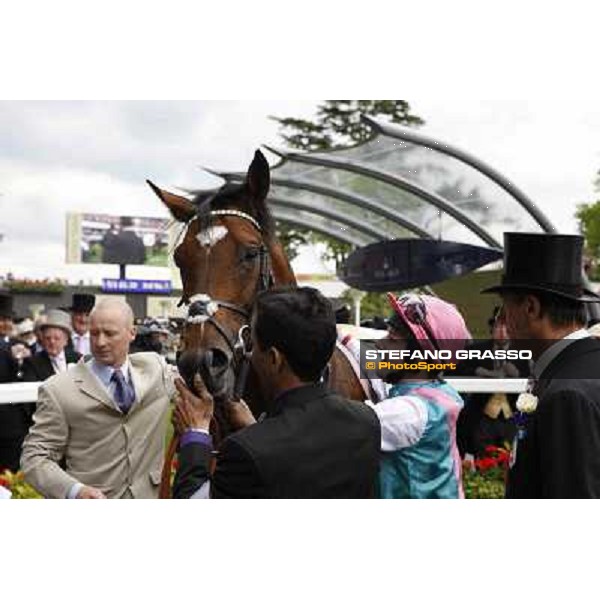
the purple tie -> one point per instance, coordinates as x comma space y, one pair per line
124, 394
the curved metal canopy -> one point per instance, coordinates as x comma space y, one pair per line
399, 184
307, 221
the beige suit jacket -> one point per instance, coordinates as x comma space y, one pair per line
76, 419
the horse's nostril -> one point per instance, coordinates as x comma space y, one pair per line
213, 365
216, 360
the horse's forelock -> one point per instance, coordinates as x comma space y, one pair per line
234, 196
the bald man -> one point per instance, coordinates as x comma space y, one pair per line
106, 418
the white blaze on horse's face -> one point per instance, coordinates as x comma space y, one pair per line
210, 236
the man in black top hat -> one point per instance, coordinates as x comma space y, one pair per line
556, 453
80, 309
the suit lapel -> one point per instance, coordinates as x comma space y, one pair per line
571, 353
89, 384
139, 380
44, 366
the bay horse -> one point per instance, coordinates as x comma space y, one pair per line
228, 254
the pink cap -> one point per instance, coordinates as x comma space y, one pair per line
428, 317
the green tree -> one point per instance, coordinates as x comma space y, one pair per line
337, 125
588, 216
291, 239
372, 305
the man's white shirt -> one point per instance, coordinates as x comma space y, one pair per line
81, 343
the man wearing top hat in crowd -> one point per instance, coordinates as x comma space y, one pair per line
80, 309
556, 453
56, 355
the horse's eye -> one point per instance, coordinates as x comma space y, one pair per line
251, 254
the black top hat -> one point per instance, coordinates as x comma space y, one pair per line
82, 303
6, 306
544, 262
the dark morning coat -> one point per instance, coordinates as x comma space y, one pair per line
560, 454
39, 367
14, 418
314, 444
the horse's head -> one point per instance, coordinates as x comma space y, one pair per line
227, 255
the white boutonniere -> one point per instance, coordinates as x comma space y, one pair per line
527, 403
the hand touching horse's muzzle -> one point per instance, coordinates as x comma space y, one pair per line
214, 366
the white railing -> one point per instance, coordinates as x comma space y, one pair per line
475, 385
19, 392
27, 392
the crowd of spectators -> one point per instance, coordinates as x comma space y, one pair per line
100, 424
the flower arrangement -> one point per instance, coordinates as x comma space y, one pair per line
485, 477
15, 483
33, 286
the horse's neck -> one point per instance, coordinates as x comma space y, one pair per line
342, 377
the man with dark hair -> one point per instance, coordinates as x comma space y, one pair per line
556, 453
80, 309
312, 443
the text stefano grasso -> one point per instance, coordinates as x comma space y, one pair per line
380, 354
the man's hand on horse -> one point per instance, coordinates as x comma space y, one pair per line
192, 411
238, 414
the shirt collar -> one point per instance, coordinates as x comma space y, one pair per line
59, 358
556, 348
105, 372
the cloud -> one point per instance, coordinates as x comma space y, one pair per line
95, 156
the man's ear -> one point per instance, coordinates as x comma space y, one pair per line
276, 358
533, 307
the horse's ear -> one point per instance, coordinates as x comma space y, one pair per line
181, 208
258, 178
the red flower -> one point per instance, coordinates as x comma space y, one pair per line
504, 458
4, 482
495, 450
484, 464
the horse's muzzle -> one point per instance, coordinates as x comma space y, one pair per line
214, 366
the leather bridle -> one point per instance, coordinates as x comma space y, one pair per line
202, 309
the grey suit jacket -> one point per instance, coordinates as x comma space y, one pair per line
76, 419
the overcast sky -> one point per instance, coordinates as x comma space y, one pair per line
95, 156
